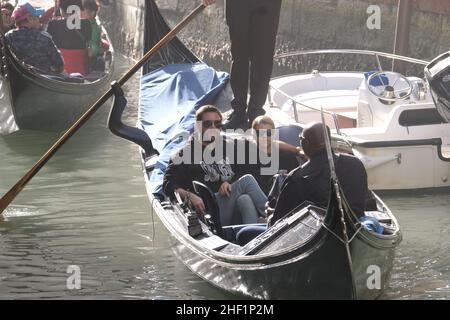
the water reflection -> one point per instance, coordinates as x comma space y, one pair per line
88, 207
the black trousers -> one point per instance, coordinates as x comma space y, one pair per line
253, 26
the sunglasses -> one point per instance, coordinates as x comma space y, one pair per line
207, 124
263, 133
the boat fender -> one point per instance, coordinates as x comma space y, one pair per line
371, 224
124, 131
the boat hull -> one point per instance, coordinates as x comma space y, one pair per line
409, 168
319, 272
405, 146
41, 103
296, 279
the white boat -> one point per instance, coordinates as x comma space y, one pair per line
385, 118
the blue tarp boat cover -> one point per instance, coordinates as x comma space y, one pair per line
169, 98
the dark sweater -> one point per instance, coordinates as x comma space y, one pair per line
311, 182
36, 48
213, 174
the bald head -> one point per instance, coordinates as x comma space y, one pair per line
313, 138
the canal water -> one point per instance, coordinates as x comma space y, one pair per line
87, 212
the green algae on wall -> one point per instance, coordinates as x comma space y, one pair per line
304, 24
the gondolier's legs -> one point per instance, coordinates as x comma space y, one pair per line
237, 15
253, 26
263, 32
247, 196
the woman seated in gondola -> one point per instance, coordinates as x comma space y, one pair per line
286, 155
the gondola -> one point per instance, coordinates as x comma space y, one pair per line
47, 102
306, 255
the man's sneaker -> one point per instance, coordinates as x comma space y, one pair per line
236, 120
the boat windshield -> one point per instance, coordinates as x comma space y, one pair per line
438, 76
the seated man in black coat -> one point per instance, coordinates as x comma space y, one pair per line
311, 182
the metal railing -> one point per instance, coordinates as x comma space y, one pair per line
375, 54
296, 102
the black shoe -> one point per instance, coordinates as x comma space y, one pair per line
236, 120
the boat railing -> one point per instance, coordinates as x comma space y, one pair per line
375, 54
296, 102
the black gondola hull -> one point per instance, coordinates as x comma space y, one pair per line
41, 103
318, 270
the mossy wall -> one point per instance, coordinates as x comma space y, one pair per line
305, 24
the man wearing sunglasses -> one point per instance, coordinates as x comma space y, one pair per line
210, 158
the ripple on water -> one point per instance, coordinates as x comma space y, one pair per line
88, 207
15, 211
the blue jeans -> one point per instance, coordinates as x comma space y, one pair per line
247, 234
244, 205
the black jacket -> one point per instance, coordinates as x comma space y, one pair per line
286, 161
311, 182
65, 38
244, 160
230, 167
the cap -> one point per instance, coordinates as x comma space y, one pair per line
26, 10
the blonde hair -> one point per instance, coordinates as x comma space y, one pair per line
263, 120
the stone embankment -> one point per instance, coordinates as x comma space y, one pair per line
305, 24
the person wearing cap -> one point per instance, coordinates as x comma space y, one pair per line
32, 45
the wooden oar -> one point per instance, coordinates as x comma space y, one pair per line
15, 190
